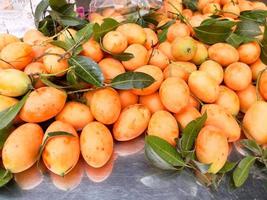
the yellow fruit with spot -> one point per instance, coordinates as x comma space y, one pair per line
184, 48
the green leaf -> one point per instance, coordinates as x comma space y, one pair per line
228, 166
214, 30
4, 133
61, 44
123, 56
248, 28
39, 11
68, 9
85, 33
87, 69
252, 146
241, 172
235, 40
191, 4
132, 80
72, 77
5, 177
47, 26
45, 140
265, 153
164, 150
162, 35
190, 133
108, 25
57, 4
258, 16
8, 115
203, 168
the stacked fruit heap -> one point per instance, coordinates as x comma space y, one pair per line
190, 75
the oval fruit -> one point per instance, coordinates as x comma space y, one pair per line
247, 97
201, 54
223, 53
212, 148
6, 102
156, 73
96, 144
76, 114
187, 115
115, 42
174, 94
105, 105
14, 83
217, 115
263, 85
127, 98
21, 148
163, 125
43, 104
184, 48
92, 50
203, 86
152, 102
214, 69
134, 33
249, 52
61, 153
132, 122
6, 39
255, 122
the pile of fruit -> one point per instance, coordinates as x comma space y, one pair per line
191, 75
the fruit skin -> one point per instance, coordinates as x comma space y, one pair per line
43, 104
157, 58
179, 69
156, 73
132, 122
263, 85
203, 86
229, 100
152, 102
67, 34
35, 68
16, 55
96, 144
174, 94
163, 125
105, 105
177, 30
214, 69
255, 122
211, 8
13, 83
151, 38
201, 54
212, 148
237, 76
127, 98
110, 68
223, 53
247, 97
166, 48
92, 50
6, 39
21, 147
140, 58
76, 114
32, 36
115, 42
6, 102
184, 48
249, 52
61, 153
53, 63
187, 115
256, 68
134, 33
217, 115
230, 8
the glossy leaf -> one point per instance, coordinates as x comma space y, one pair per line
203, 168
51, 135
5, 177
164, 150
235, 40
123, 56
88, 70
61, 44
214, 30
49, 83
8, 115
39, 11
258, 16
68, 9
252, 146
248, 28
241, 172
228, 166
191, 4
57, 4
72, 77
108, 25
190, 133
132, 80
4, 133
85, 33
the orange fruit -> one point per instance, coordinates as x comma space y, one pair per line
115, 42
177, 30
134, 33
36, 68
249, 52
6, 39
152, 102
157, 58
127, 98
184, 48
151, 38
92, 50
